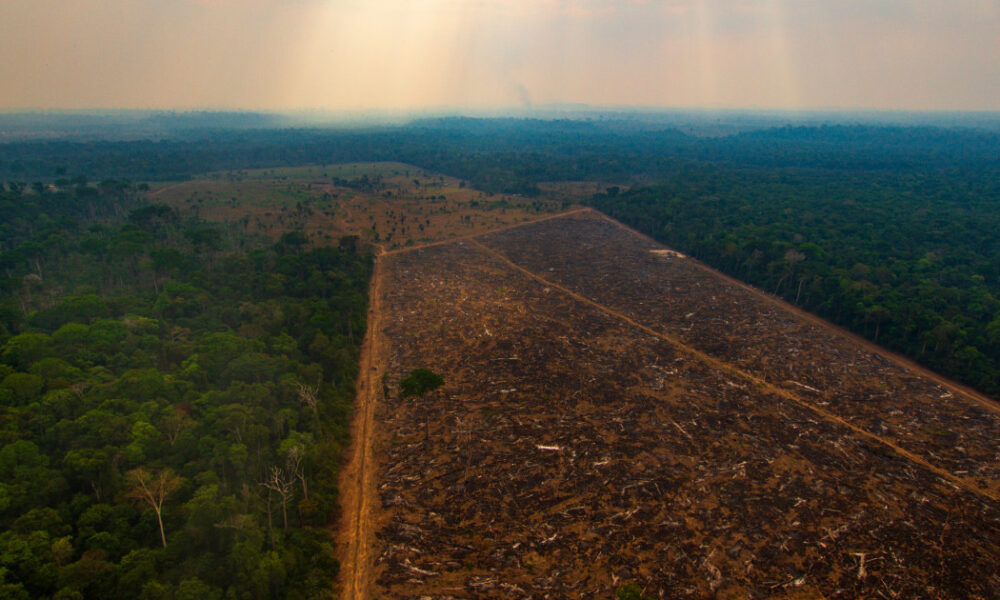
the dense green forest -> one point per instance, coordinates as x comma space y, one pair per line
887, 230
508, 155
174, 397
910, 260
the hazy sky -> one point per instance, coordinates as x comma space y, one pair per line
355, 54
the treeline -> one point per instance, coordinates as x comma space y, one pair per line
174, 398
908, 260
509, 155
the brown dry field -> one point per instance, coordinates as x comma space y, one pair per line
613, 413
405, 205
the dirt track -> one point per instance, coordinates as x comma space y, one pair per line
356, 485
611, 414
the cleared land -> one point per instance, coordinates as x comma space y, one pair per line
615, 413
388, 205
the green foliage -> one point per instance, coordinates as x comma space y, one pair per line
419, 382
23, 387
416, 384
142, 386
630, 591
24, 349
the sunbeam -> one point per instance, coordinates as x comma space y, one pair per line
708, 85
782, 66
346, 54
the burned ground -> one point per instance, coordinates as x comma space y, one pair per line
593, 431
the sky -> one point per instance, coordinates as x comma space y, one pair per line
349, 55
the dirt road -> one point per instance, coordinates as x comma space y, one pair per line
357, 480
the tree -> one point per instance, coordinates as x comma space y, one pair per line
418, 383
153, 489
282, 482
175, 422
630, 591
876, 314
309, 396
295, 449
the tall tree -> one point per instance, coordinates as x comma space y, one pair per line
152, 488
282, 482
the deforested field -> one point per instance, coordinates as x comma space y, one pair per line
614, 412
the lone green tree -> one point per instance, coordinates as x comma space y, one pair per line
631, 591
418, 383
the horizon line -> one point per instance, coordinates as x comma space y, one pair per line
457, 110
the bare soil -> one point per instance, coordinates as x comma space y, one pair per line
614, 413
356, 486
404, 205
